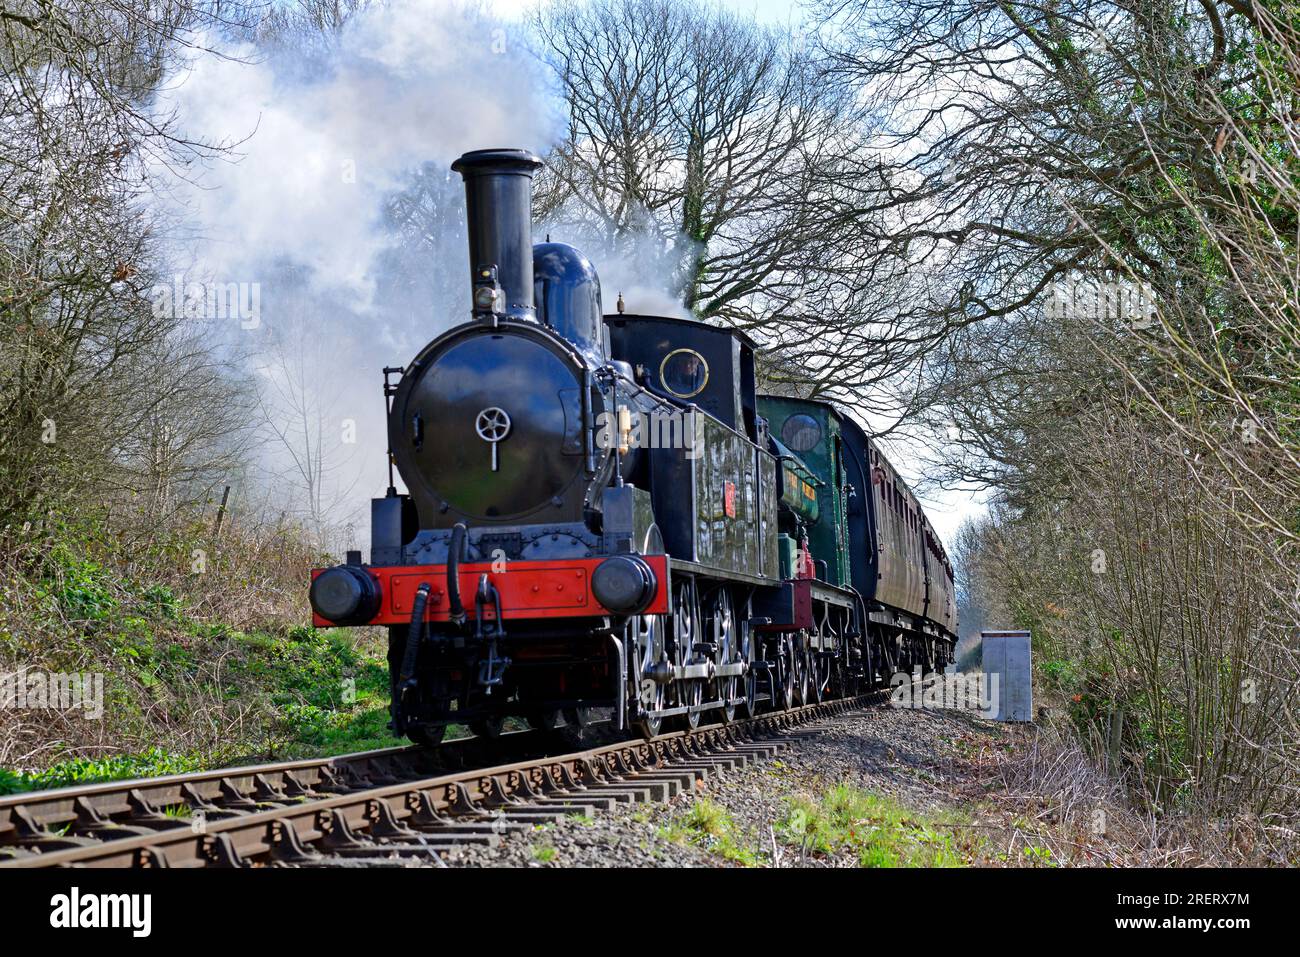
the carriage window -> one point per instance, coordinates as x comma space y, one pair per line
801, 432
684, 373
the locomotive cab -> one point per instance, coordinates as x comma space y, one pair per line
690, 363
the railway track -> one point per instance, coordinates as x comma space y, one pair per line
391, 807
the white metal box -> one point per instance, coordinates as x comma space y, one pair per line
1008, 667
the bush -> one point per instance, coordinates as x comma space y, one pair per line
198, 669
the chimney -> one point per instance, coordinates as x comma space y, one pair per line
498, 212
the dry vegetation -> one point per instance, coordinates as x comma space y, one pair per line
121, 423
1050, 791
1149, 524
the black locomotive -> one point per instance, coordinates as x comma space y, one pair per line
597, 516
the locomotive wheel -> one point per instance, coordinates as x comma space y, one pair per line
799, 654
649, 727
818, 674
427, 736
724, 636
749, 687
688, 692
489, 727
749, 680
693, 695
646, 641
785, 679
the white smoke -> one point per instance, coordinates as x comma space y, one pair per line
642, 265
640, 282
331, 136
304, 209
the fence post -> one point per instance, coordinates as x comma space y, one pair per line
221, 513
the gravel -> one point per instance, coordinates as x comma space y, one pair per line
919, 758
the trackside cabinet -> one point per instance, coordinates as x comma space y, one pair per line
1007, 662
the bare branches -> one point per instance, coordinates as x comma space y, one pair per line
1094, 154
726, 156
80, 127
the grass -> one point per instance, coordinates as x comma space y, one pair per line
877, 830
708, 825
311, 694
199, 670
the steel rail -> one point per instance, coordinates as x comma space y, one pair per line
101, 811
391, 822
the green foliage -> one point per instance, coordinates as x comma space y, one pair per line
877, 829
81, 590
176, 679
304, 666
1060, 674
88, 770
161, 601
319, 731
708, 825
1038, 856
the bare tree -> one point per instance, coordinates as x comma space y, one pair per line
1108, 191
307, 448
78, 254
721, 157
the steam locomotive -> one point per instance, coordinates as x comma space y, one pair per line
603, 515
